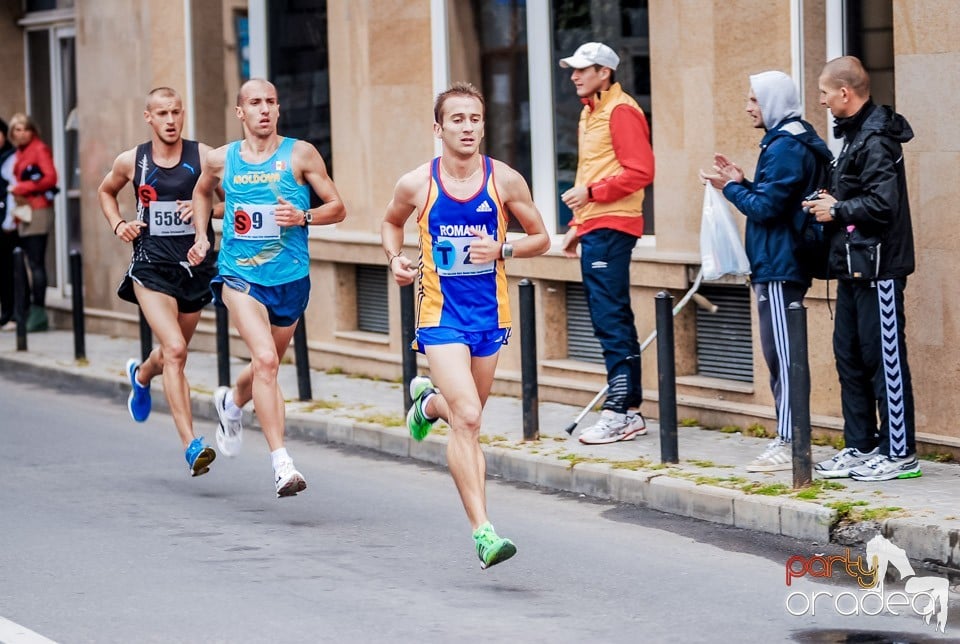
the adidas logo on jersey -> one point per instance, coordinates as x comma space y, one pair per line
484, 207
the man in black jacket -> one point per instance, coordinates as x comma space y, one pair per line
871, 255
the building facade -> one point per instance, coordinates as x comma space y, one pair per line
357, 78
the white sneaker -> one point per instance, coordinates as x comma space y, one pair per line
777, 457
843, 462
613, 427
884, 468
289, 481
230, 432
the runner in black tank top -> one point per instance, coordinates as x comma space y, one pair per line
157, 189
160, 279
159, 259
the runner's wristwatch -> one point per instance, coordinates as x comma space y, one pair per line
307, 217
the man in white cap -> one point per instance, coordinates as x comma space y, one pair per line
616, 164
792, 164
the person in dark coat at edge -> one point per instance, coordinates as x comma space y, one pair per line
8, 231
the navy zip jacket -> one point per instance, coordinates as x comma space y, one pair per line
787, 171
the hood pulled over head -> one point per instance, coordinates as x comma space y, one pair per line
777, 97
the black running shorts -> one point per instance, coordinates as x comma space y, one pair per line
190, 286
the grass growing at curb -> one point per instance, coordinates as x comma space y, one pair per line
634, 465
575, 459
731, 429
818, 487
387, 420
689, 422
316, 405
759, 431
845, 508
937, 457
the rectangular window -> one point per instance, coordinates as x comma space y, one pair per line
623, 25
299, 67
505, 47
52, 102
373, 313
725, 338
582, 344
869, 37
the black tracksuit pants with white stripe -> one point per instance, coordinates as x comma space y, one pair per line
871, 352
773, 298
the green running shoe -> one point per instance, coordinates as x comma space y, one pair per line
490, 548
417, 421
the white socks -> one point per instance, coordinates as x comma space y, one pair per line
279, 456
230, 408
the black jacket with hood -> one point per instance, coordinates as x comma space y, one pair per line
869, 182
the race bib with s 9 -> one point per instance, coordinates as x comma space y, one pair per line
254, 222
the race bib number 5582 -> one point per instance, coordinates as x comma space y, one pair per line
165, 220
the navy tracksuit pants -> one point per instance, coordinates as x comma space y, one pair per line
605, 266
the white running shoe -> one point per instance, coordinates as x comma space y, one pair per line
884, 468
777, 457
289, 481
230, 432
843, 462
613, 427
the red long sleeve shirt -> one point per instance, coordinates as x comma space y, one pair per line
630, 134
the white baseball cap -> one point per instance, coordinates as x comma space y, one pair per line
589, 54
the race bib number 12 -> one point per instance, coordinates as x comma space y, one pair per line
451, 255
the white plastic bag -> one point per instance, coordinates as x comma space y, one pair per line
721, 250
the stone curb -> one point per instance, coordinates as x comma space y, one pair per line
775, 515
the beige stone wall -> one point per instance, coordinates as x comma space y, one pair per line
381, 99
928, 95
13, 99
124, 49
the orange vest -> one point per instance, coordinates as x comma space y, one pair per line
597, 158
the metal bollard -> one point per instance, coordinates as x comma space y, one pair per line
146, 338
223, 345
76, 282
799, 394
528, 361
407, 330
21, 305
667, 378
302, 356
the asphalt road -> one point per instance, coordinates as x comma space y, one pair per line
105, 538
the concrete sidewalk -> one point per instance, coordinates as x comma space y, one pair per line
920, 515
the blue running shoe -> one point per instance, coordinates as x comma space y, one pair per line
138, 402
199, 457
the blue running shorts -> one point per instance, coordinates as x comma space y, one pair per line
481, 343
285, 303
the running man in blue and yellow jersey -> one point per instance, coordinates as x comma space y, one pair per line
264, 262
462, 200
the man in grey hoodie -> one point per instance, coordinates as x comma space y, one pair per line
791, 166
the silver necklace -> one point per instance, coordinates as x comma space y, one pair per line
458, 179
